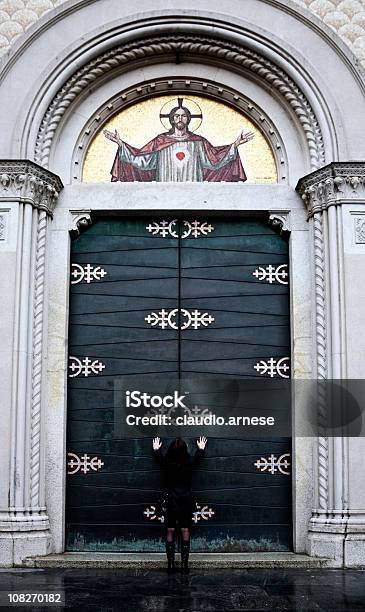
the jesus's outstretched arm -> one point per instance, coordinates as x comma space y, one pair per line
145, 161
244, 137
113, 136
209, 164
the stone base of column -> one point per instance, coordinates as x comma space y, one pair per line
23, 534
354, 550
328, 542
341, 539
16, 546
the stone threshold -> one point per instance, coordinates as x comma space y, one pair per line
158, 560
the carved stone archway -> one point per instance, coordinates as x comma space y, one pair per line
196, 48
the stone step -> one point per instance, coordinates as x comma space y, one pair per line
158, 560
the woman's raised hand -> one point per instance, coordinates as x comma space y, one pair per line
156, 443
202, 442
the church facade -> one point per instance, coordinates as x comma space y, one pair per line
182, 193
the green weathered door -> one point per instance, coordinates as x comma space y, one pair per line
233, 273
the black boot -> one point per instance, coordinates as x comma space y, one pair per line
185, 548
170, 553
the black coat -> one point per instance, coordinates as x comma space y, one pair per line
178, 480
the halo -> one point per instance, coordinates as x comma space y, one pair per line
194, 108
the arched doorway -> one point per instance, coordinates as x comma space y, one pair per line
296, 87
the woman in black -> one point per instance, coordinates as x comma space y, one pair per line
178, 466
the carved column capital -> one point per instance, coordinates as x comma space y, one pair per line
334, 184
25, 181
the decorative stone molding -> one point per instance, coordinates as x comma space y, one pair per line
188, 47
344, 18
323, 192
321, 353
320, 298
3, 224
25, 181
80, 221
280, 221
359, 222
38, 319
179, 86
333, 184
36, 191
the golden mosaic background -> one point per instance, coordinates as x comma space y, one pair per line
221, 125
346, 17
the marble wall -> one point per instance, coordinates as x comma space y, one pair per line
346, 17
318, 105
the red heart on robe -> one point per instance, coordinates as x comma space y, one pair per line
180, 155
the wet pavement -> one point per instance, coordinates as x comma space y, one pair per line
223, 590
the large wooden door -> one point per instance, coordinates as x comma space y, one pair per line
234, 272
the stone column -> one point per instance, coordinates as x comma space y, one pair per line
28, 194
333, 196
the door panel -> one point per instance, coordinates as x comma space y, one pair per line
245, 503
251, 323
107, 323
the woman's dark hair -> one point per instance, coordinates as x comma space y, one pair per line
177, 453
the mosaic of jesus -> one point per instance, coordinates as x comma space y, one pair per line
178, 154
189, 138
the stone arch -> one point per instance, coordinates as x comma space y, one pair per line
205, 38
239, 59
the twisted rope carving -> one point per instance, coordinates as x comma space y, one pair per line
321, 358
320, 295
37, 359
187, 45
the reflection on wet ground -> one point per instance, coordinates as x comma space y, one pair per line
134, 590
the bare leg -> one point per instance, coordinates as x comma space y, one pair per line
170, 534
185, 534
170, 549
